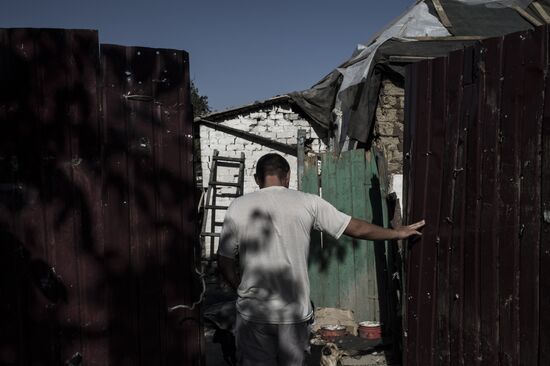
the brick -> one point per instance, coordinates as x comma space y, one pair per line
395, 91
385, 128
259, 129
388, 101
226, 140
286, 134
283, 110
383, 115
235, 147
250, 147
275, 129
301, 123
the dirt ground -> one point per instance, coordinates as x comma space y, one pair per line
214, 354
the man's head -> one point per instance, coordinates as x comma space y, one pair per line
272, 170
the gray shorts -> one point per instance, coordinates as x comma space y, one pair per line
271, 344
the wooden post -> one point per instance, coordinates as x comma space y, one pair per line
301, 155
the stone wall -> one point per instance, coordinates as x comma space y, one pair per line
388, 128
388, 131
279, 123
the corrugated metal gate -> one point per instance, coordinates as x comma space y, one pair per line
478, 143
97, 218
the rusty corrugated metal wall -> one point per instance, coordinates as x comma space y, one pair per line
97, 218
478, 170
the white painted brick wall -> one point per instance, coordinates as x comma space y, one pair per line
277, 123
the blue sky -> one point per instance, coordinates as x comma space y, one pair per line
240, 50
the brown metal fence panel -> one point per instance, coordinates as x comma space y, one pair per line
147, 134
544, 275
50, 193
490, 85
477, 169
534, 61
97, 219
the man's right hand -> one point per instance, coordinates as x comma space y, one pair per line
405, 232
361, 229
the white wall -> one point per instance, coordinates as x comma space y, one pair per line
276, 122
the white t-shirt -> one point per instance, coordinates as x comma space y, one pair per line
270, 229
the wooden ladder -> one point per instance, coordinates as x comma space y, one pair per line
211, 204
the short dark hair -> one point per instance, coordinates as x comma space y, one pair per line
271, 164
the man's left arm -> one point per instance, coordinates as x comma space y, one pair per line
227, 250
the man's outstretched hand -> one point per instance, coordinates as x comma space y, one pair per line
404, 232
362, 229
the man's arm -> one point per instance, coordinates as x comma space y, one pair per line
361, 229
228, 270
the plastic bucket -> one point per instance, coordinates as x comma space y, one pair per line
329, 332
370, 330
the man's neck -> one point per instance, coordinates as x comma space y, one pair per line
272, 181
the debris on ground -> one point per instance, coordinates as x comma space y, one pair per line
333, 316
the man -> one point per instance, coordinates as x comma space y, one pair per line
270, 230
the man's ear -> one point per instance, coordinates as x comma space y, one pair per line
287, 179
257, 181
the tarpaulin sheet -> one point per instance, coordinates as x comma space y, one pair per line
345, 101
483, 20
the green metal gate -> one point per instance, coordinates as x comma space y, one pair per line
347, 273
